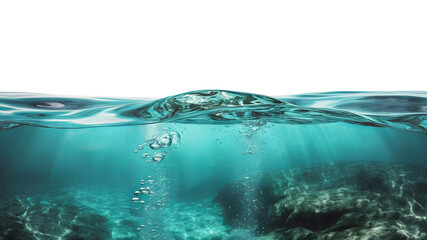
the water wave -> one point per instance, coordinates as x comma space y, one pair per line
400, 110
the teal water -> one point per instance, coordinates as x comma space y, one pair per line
214, 165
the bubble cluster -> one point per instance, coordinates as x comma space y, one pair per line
154, 150
164, 141
161, 142
143, 190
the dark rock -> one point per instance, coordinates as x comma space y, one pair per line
368, 200
30, 219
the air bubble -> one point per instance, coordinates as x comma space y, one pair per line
135, 199
145, 155
158, 157
145, 192
155, 145
175, 137
248, 152
137, 192
140, 147
165, 141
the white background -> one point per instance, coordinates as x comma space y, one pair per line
159, 48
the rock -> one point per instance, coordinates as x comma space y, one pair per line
25, 219
368, 200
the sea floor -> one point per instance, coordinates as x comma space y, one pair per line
364, 200
72, 212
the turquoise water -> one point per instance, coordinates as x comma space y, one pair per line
214, 165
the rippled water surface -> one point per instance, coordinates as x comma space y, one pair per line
214, 164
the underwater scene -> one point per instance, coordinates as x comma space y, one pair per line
214, 165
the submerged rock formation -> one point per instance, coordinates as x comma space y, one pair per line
364, 200
52, 213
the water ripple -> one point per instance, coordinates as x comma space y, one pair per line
400, 110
